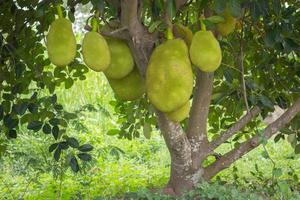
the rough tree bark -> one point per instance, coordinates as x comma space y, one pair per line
188, 150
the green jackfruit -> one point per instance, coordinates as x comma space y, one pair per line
228, 26
169, 76
130, 87
61, 42
122, 62
95, 51
205, 51
180, 114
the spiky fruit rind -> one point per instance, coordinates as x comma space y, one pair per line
180, 114
61, 42
228, 26
130, 87
205, 51
169, 76
122, 62
95, 51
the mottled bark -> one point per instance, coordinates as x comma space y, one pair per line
197, 126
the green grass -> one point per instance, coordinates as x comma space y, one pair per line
120, 166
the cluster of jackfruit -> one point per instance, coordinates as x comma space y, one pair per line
111, 56
169, 76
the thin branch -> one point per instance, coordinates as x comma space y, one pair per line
235, 127
227, 159
241, 65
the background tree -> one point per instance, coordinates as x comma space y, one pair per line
260, 69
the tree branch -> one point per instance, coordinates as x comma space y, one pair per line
227, 159
141, 42
197, 126
180, 3
235, 127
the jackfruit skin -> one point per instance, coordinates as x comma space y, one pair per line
181, 113
95, 51
61, 42
205, 51
122, 62
228, 26
130, 87
169, 76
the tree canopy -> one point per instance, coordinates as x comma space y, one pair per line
260, 69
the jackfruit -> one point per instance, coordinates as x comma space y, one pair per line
122, 62
169, 76
184, 33
61, 42
129, 88
228, 26
95, 51
205, 51
180, 114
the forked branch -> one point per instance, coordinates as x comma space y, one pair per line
227, 159
235, 127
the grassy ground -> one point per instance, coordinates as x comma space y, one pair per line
121, 166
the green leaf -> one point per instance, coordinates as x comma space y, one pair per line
21, 108
74, 164
266, 102
215, 19
1, 112
55, 132
12, 134
53, 147
72, 142
10, 122
113, 132
64, 145
47, 129
54, 121
33, 108
84, 156
234, 7
297, 149
57, 153
68, 83
277, 172
85, 148
35, 125
219, 6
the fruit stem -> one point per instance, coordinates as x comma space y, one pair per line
203, 26
94, 24
59, 11
169, 34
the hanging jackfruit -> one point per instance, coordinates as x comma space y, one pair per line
228, 26
95, 51
180, 114
205, 51
169, 76
61, 42
129, 88
122, 62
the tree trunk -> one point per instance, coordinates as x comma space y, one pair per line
188, 150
